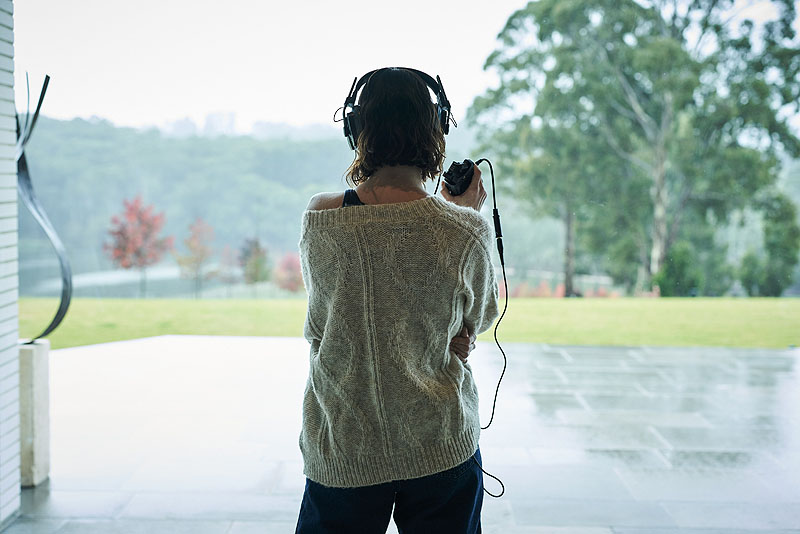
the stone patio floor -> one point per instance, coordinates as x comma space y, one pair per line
198, 434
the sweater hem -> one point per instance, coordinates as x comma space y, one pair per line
369, 470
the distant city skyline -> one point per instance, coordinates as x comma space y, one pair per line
227, 123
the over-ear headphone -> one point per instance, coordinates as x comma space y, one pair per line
353, 123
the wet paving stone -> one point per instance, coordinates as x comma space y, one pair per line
673, 387
631, 459
577, 481
619, 436
780, 364
588, 440
550, 358
547, 405
770, 517
599, 389
697, 531
34, 525
544, 377
704, 374
632, 417
612, 376
669, 403
749, 416
713, 460
663, 485
723, 438
590, 513
127, 526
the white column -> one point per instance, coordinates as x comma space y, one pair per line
34, 407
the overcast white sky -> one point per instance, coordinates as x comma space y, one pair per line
152, 61
149, 62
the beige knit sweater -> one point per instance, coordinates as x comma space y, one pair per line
389, 285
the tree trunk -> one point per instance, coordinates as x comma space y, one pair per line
643, 270
569, 251
641, 279
143, 283
660, 197
658, 252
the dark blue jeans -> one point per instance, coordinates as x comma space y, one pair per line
448, 502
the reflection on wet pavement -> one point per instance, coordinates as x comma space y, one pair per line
678, 439
199, 434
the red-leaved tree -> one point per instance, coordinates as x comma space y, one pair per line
201, 234
288, 274
134, 239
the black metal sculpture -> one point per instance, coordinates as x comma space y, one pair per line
34, 206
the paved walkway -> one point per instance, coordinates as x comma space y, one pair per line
195, 434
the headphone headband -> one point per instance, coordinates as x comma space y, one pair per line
352, 119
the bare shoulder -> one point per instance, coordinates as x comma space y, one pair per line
324, 201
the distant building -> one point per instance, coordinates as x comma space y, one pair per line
220, 123
184, 127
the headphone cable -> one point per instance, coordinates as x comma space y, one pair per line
499, 236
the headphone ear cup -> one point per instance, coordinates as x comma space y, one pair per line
444, 119
352, 126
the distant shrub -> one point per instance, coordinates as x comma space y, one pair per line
751, 273
680, 275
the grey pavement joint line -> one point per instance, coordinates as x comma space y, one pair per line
560, 374
583, 402
660, 456
660, 437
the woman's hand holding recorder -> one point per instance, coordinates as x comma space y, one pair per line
473, 197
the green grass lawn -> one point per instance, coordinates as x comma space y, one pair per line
768, 323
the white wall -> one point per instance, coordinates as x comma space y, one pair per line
9, 279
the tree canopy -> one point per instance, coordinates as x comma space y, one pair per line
690, 97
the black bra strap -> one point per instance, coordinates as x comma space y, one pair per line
351, 199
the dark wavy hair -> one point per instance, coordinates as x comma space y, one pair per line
399, 126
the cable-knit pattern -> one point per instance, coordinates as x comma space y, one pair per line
389, 285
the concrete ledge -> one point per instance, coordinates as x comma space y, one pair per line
34, 407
